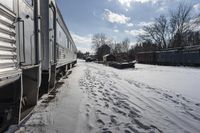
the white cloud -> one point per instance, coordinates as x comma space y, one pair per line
135, 33
116, 18
126, 9
116, 30
197, 7
130, 24
125, 2
162, 7
133, 43
82, 39
143, 23
128, 2
146, 1
84, 50
83, 43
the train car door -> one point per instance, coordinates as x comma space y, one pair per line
52, 44
52, 33
27, 35
29, 52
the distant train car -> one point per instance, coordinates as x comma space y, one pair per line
147, 57
188, 56
36, 49
171, 57
191, 57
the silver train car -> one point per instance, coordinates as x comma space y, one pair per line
36, 49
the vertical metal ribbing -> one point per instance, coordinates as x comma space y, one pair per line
8, 54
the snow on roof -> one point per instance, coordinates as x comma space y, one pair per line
106, 55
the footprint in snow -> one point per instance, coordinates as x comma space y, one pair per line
119, 111
100, 112
87, 105
197, 104
106, 105
113, 119
127, 131
106, 132
100, 123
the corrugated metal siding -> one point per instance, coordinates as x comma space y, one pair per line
8, 55
62, 58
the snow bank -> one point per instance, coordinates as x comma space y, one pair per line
183, 80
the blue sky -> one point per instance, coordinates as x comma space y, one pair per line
118, 19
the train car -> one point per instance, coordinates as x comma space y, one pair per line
147, 57
177, 57
187, 56
66, 48
170, 57
191, 57
19, 60
35, 49
58, 49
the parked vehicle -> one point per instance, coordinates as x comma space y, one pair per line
36, 49
89, 59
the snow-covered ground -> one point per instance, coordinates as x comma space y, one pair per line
96, 98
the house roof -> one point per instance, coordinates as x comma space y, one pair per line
108, 55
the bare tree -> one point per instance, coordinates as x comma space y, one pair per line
195, 23
98, 40
161, 29
118, 48
198, 20
125, 45
157, 32
180, 24
102, 45
121, 47
173, 32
